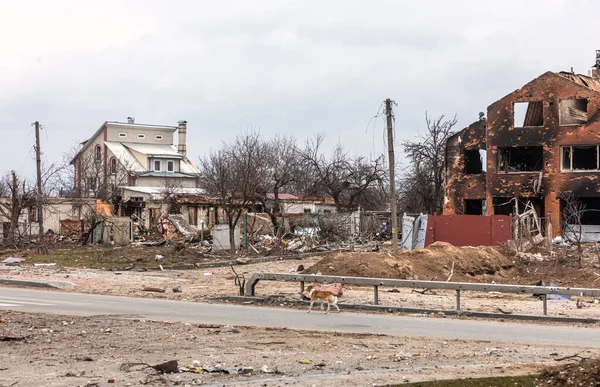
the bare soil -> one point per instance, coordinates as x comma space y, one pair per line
54, 347
54, 350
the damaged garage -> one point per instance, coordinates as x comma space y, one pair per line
538, 149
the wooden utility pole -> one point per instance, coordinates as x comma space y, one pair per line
390, 135
38, 163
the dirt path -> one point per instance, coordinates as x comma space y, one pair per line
65, 350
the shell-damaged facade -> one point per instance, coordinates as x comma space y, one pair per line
537, 144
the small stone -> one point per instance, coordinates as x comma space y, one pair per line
88, 358
177, 289
110, 380
235, 330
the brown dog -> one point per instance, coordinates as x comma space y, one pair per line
323, 296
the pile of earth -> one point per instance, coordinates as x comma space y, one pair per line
583, 373
432, 263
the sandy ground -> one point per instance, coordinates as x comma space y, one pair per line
53, 350
204, 284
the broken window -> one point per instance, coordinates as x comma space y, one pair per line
573, 111
474, 207
474, 161
521, 159
503, 206
528, 114
580, 158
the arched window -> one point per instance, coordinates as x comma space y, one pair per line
113, 166
98, 153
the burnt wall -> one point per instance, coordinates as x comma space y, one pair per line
550, 89
459, 185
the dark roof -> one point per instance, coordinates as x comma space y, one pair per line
583, 80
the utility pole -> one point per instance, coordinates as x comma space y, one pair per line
38, 163
390, 135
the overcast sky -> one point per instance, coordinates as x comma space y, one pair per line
287, 67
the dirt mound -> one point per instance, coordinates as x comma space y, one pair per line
432, 263
583, 373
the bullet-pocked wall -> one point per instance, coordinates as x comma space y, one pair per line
541, 140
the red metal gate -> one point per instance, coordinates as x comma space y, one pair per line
468, 230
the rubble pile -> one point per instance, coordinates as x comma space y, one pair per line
432, 263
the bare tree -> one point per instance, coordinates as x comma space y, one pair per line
426, 155
572, 215
234, 175
282, 170
345, 179
18, 195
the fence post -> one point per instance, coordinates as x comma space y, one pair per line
376, 294
457, 299
301, 289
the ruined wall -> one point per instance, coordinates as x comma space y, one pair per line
459, 185
546, 91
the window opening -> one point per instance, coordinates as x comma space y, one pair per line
573, 111
521, 159
528, 114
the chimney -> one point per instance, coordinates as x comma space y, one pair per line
181, 130
596, 67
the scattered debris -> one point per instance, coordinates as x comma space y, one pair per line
265, 369
44, 264
580, 304
13, 260
169, 367
151, 289
13, 338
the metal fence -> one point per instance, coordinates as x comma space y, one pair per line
458, 287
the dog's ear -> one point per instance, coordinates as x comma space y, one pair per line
308, 288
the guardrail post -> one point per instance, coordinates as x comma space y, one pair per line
457, 299
301, 289
545, 303
376, 294
251, 285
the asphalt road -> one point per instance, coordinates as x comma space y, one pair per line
87, 304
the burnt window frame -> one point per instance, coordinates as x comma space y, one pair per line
466, 169
541, 102
570, 169
560, 120
505, 169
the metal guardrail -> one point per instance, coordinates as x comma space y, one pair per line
457, 286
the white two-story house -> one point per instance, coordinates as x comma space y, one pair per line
121, 155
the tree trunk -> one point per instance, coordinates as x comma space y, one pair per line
231, 236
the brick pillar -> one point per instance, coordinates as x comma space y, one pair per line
552, 206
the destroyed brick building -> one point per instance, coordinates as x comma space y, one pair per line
537, 143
